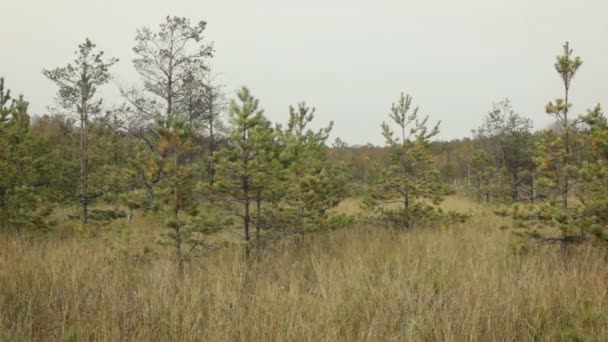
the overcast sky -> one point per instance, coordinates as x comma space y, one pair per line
350, 59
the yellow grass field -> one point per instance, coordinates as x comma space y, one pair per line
358, 284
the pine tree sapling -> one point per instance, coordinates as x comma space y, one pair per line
241, 176
312, 185
173, 187
411, 183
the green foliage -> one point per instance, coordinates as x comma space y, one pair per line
78, 83
277, 181
411, 181
503, 165
59, 136
484, 176
594, 176
169, 61
312, 184
23, 161
560, 172
555, 166
80, 80
245, 168
165, 166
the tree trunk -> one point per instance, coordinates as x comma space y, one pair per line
406, 211
210, 166
178, 227
533, 186
567, 148
514, 189
487, 191
84, 161
246, 221
258, 223
170, 84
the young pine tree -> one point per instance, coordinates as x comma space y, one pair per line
78, 84
172, 182
559, 171
24, 161
312, 184
243, 167
411, 183
566, 66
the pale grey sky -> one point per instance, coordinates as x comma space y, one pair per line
348, 58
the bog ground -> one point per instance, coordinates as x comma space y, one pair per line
356, 284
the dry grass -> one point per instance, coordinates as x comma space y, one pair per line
355, 284
355, 206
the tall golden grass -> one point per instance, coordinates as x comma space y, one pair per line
358, 284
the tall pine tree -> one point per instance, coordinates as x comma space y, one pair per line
78, 84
